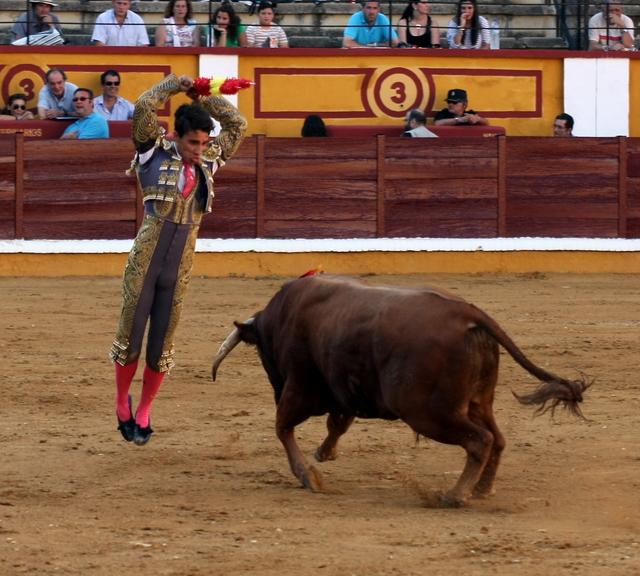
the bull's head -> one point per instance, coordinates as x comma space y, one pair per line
240, 334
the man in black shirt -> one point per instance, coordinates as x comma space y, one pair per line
456, 113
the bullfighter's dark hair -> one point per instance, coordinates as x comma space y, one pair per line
192, 117
87, 90
475, 21
568, 118
103, 76
48, 74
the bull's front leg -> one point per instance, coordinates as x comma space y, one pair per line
289, 415
337, 425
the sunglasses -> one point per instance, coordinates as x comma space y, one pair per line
81, 99
19, 107
112, 83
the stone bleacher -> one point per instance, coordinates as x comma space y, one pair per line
530, 24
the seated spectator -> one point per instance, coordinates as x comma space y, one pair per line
265, 34
109, 105
56, 96
16, 109
611, 29
415, 125
313, 127
456, 113
91, 124
120, 27
369, 28
226, 29
468, 29
563, 125
179, 29
417, 28
39, 20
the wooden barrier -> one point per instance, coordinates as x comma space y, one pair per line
354, 188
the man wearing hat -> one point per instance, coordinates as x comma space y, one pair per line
456, 113
38, 20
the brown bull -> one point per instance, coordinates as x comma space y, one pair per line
337, 345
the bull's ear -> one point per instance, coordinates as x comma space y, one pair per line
247, 332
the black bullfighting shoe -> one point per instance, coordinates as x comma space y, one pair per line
142, 435
127, 428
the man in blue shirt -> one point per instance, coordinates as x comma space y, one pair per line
369, 28
91, 124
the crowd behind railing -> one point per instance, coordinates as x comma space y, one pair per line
609, 29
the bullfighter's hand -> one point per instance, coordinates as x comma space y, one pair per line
186, 82
193, 94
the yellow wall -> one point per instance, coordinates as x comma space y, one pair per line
138, 72
522, 94
634, 97
269, 264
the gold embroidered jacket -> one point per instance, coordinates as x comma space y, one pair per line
158, 176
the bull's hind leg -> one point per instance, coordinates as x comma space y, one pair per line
291, 412
485, 486
337, 425
476, 441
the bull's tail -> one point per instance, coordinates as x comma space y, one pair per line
554, 392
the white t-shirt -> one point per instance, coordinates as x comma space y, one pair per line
598, 30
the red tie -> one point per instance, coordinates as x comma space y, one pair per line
190, 179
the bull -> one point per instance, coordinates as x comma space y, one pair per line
338, 345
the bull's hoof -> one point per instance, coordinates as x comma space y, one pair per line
322, 456
311, 478
450, 501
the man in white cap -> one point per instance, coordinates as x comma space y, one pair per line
40, 19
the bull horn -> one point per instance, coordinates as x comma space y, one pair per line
229, 344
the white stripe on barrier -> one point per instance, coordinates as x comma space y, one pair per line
337, 245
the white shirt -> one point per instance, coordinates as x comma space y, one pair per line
598, 30
132, 33
122, 109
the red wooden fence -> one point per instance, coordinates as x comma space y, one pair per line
341, 188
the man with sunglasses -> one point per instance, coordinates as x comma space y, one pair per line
91, 124
109, 105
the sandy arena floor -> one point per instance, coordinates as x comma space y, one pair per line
212, 493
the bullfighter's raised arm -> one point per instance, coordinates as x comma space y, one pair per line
146, 127
232, 121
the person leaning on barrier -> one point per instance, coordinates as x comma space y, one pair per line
415, 124
109, 105
16, 109
417, 28
91, 124
456, 113
120, 27
226, 30
468, 29
369, 28
611, 29
56, 96
178, 28
264, 33
40, 19
563, 125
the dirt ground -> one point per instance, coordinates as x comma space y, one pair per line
211, 493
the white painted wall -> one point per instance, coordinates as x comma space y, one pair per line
596, 94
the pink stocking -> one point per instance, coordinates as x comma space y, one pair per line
151, 381
124, 377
